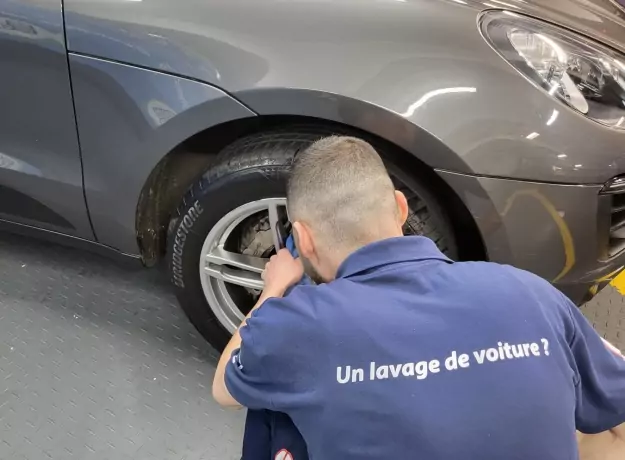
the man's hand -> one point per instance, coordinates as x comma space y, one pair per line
281, 272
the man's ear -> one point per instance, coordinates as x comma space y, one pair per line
402, 207
303, 240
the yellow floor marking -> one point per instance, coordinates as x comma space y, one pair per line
619, 283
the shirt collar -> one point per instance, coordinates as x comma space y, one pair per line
390, 251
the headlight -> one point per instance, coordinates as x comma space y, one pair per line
585, 75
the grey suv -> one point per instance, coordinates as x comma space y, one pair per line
156, 128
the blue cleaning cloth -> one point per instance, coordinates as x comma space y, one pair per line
290, 245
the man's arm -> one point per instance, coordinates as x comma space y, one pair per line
608, 445
220, 392
602, 446
281, 272
600, 379
618, 431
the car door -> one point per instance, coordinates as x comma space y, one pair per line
40, 166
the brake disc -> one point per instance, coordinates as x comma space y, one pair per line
256, 240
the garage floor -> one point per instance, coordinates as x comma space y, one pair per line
98, 362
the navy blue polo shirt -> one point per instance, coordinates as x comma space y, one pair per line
408, 355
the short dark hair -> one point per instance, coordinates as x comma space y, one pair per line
340, 187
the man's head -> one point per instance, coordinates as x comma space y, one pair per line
341, 198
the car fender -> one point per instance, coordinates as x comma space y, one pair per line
128, 120
355, 113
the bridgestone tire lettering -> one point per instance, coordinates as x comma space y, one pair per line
186, 224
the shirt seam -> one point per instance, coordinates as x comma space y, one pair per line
393, 266
251, 342
576, 378
260, 363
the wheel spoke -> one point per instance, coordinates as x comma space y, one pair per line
219, 256
239, 269
239, 277
235, 316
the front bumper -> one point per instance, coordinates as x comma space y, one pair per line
557, 231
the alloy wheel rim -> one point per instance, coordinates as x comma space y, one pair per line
220, 267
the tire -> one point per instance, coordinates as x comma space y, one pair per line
254, 168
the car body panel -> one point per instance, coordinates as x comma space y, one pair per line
129, 119
421, 60
543, 228
507, 211
40, 166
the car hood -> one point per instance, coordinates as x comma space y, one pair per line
603, 20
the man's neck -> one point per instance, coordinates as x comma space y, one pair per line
341, 255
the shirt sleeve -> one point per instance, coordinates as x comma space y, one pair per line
600, 378
272, 368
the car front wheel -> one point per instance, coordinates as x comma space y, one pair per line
225, 229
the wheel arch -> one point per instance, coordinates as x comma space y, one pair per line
410, 146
